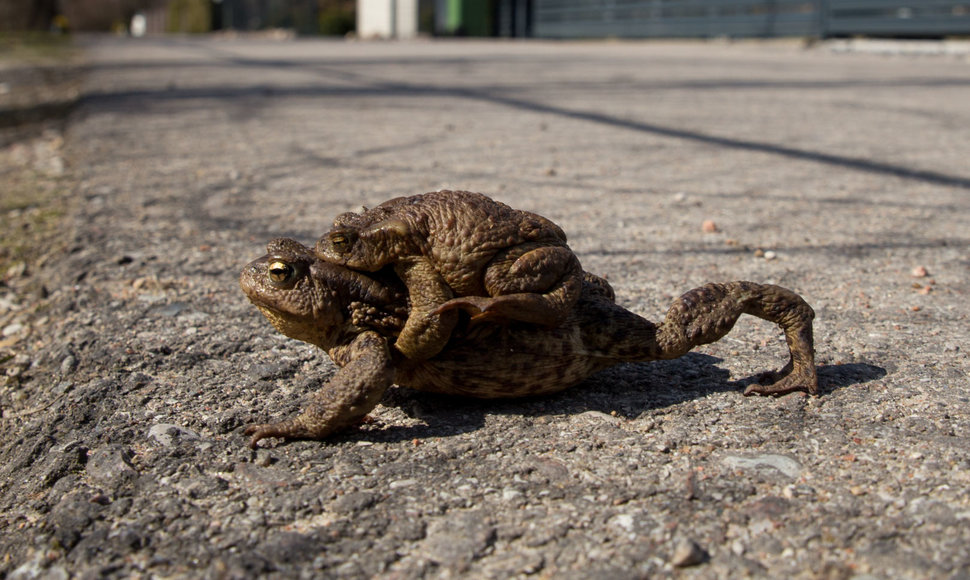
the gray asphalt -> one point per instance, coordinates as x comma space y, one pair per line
843, 176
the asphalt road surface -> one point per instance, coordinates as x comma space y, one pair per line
843, 176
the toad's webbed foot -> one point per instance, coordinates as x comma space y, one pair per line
292, 429
296, 429
784, 381
524, 307
473, 305
530, 283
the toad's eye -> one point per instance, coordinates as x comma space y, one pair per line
340, 242
281, 272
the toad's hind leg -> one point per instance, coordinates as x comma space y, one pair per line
706, 314
530, 283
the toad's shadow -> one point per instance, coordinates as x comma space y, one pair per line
627, 390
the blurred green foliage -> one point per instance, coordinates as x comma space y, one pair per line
191, 16
33, 46
336, 19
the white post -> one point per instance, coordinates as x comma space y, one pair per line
387, 19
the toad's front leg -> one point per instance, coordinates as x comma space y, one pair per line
426, 330
356, 389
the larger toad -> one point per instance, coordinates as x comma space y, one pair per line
354, 318
460, 250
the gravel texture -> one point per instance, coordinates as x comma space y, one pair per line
129, 375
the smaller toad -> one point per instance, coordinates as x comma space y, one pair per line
458, 250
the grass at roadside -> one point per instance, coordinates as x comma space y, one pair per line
32, 206
40, 79
35, 46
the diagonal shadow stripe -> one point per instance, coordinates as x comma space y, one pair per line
857, 163
374, 86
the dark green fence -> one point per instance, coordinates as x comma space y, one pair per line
879, 17
739, 18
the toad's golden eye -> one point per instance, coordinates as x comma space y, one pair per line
340, 242
280, 272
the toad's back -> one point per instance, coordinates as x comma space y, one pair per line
461, 231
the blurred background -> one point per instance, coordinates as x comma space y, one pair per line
501, 18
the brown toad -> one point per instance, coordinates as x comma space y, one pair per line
499, 262
352, 316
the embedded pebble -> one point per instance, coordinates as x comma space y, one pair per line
12, 329
111, 465
784, 465
623, 521
168, 435
688, 553
68, 364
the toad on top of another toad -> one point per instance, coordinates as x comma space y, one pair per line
354, 318
460, 250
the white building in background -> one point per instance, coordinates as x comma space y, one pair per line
387, 18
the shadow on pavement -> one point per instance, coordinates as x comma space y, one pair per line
368, 85
626, 390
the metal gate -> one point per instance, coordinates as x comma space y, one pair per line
751, 18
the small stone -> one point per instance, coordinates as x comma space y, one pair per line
623, 521
56, 165
688, 553
18, 270
770, 255
111, 466
596, 417
354, 502
793, 491
68, 364
168, 435
709, 227
18, 365
457, 538
784, 465
12, 329
919, 272
38, 568
173, 309
267, 371
264, 458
